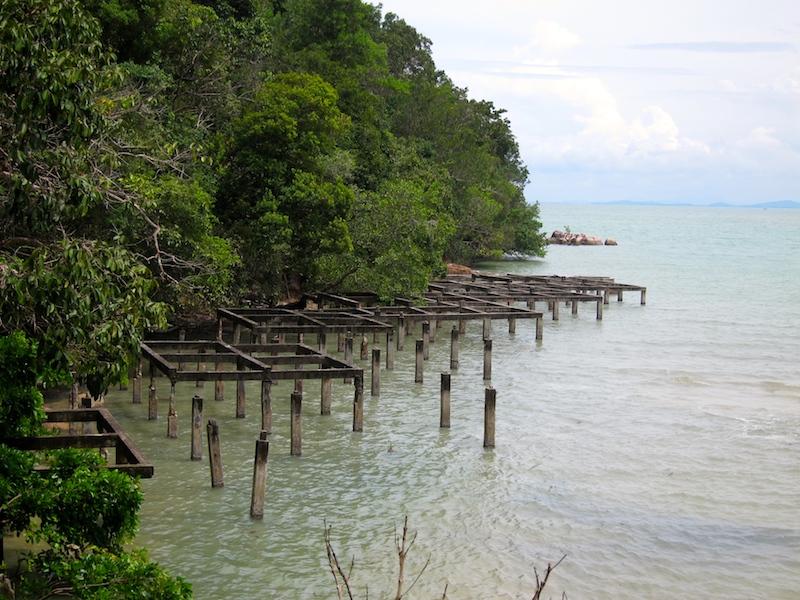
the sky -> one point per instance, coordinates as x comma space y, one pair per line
694, 101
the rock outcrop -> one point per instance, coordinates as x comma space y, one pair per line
567, 238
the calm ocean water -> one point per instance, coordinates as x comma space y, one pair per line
658, 449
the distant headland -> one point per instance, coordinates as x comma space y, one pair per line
775, 204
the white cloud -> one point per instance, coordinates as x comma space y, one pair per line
790, 84
549, 38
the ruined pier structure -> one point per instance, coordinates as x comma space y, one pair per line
257, 347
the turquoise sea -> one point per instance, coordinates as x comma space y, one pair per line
658, 450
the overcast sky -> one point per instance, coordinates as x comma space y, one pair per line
656, 100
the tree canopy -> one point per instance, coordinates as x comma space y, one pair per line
162, 157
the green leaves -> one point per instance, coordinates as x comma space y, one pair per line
88, 305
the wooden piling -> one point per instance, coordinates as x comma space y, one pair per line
643, 300
152, 404
426, 339
137, 381
240, 391
619, 295
444, 402
512, 325
390, 350
410, 327
340, 342
419, 361
237, 334
297, 423
401, 332
599, 308
172, 415
489, 413
325, 396
201, 367
364, 347
432, 331
322, 341
214, 454
358, 402
86, 427
575, 306
487, 359
348, 353
266, 405
539, 328
219, 385
462, 326
197, 428
181, 338
376, 372
454, 348
259, 477
487, 328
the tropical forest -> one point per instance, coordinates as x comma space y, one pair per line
161, 158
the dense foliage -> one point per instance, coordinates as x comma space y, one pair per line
82, 513
162, 155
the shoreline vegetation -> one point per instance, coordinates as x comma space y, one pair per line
161, 158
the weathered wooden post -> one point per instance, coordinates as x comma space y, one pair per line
219, 385
172, 415
325, 396
512, 325
487, 328
240, 391
263, 335
539, 328
643, 300
364, 346
487, 359
375, 390
266, 404
348, 353
181, 338
555, 310
137, 381
86, 426
259, 477
599, 308
575, 306
410, 327
214, 454
444, 402
201, 367
462, 326
454, 347
432, 331
197, 428
322, 341
340, 343
237, 334
619, 295
297, 423
219, 329
358, 402
390, 350
419, 361
426, 339
489, 413
152, 405
401, 332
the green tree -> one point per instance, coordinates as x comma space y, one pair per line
83, 513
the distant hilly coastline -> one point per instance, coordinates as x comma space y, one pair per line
775, 204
